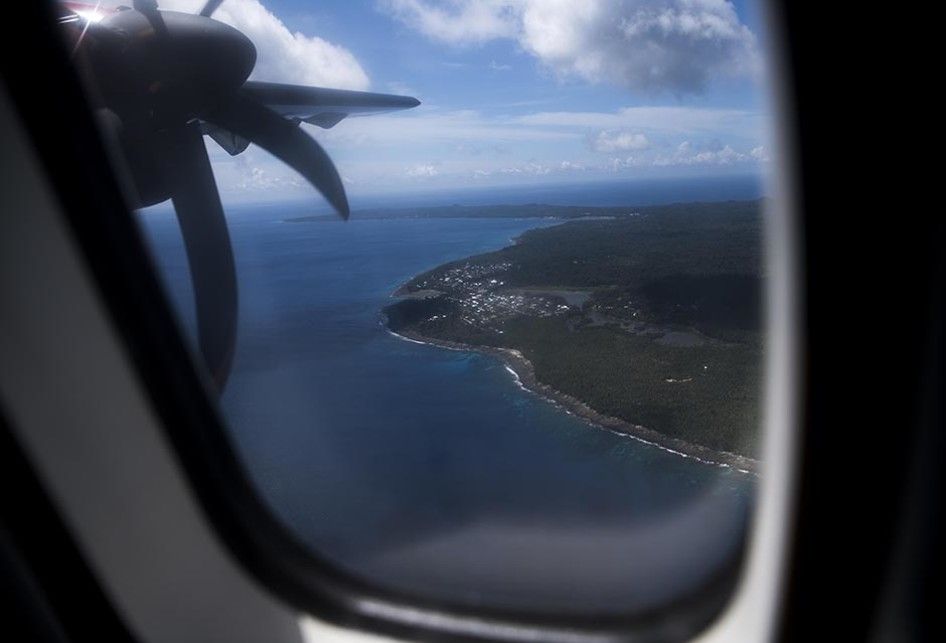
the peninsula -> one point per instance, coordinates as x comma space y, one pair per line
647, 323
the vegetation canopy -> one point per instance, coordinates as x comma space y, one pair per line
652, 316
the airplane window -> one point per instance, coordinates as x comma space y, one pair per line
482, 293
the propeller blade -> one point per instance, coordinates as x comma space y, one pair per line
284, 139
322, 106
150, 9
210, 7
209, 253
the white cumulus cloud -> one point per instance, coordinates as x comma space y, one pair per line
282, 55
426, 170
686, 154
610, 141
676, 46
759, 153
460, 22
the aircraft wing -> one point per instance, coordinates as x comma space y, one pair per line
321, 106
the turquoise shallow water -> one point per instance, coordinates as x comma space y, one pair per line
430, 470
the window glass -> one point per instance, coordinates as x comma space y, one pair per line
527, 372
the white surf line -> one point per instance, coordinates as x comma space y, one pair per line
622, 434
407, 339
517, 379
674, 451
588, 421
434, 344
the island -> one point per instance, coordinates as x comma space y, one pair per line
647, 322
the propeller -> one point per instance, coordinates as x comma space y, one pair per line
210, 7
285, 140
207, 243
166, 79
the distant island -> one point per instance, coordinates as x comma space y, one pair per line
646, 321
526, 211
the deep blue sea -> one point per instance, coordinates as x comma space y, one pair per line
430, 470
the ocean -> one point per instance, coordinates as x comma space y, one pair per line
431, 471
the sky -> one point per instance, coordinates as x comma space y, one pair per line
513, 92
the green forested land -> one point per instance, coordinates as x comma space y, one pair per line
625, 375
692, 268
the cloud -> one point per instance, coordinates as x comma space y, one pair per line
469, 130
257, 178
282, 55
398, 87
686, 154
531, 168
652, 46
609, 141
431, 146
459, 22
254, 171
657, 121
617, 164
429, 126
423, 171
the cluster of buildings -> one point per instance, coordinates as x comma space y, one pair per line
482, 296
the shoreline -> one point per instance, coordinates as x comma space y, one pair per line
524, 374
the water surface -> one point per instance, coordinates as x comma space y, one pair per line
430, 470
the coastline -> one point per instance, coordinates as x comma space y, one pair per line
524, 373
